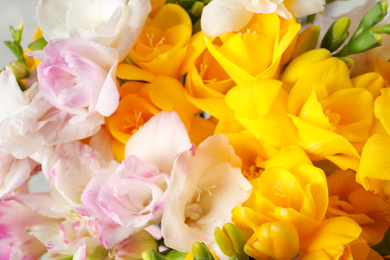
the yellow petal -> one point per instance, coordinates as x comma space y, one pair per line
238, 74
275, 129
168, 94
249, 218
303, 64
324, 78
334, 232
324, 143
382, 108
383, 68
371, 81
200, 129
253, 100
307, 41
375, 163
287, 158
278, 240
282, 188
176, 13
314, 180
132, 72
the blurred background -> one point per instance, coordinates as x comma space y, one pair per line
11, 12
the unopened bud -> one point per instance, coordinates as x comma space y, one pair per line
224, 242
152, 255
364, 42
196, 9
18, 69
201, 252
336, 34
376, 14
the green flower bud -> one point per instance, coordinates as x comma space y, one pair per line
235, 236
18, 69
350, 62
336, 34
224, 242
365, 41
381, 29
196, 9
201, 252
175, 255
186, 4
307, 41
152, 255
376, 14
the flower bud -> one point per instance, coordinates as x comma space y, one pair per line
350, 62
196, 9
307, 41
364, 42
201, 252
372, 17
18, 69
224, 242
152, 255
336, 34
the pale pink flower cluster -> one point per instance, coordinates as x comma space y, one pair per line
96, 207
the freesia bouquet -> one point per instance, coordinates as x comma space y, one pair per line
184, 129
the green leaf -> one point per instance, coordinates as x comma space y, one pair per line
38, 44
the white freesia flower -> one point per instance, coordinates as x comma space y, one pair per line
27, 120
114, 23
206, 184
223, 16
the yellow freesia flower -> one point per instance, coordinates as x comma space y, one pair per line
359, 250
374, 168
162, 45
206, 81
332, 115
325, 112
259, 50
293, 202
369, 210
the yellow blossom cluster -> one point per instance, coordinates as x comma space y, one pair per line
314, 142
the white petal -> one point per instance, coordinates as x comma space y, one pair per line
51, 17
135, 16
159, 141
12, 98
217, 18
301, 8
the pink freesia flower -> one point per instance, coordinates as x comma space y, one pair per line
115, 23
27, 120
15, 242
125, 199
69, 168
78, 76
75, 238
206, 184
